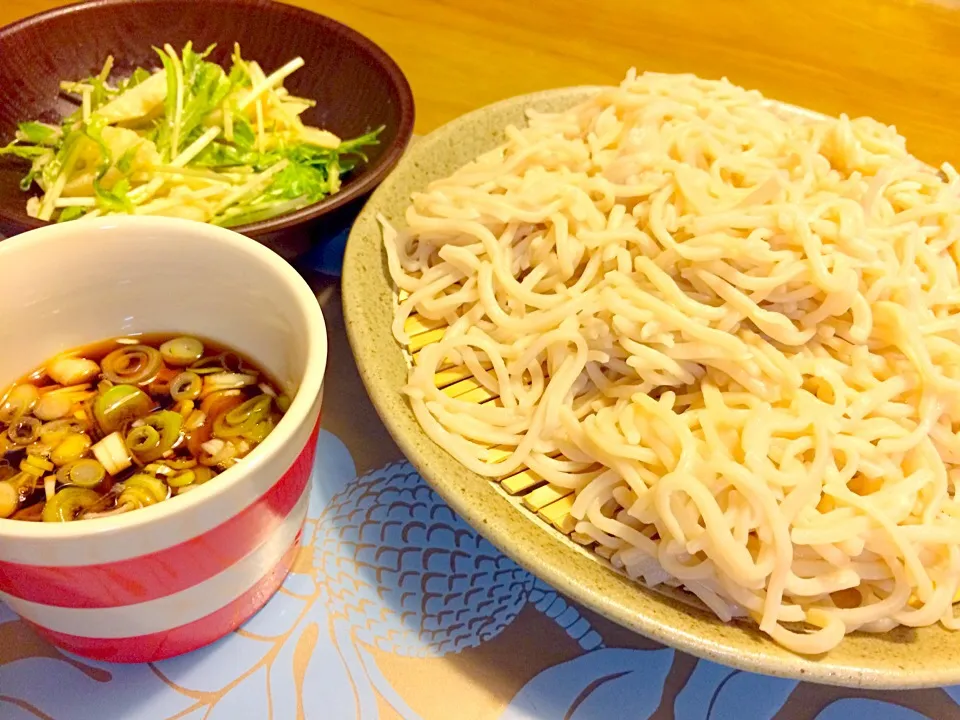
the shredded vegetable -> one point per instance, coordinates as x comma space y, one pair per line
185, 140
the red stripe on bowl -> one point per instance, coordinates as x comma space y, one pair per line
183, 639
167, 571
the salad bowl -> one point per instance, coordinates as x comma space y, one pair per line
356, 86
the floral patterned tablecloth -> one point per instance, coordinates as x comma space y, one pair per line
396, 608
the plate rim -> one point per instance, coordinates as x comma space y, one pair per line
860, 661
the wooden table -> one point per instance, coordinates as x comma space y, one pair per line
894, 59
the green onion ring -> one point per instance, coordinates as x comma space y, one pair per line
168, 424
69, 503
143, 439
87, 473
186, 386
203, 474
182, 479
132, 364
181, 463
24, 430
182, 351
119, 405
143, 490
260, 431
207, 365
243, 418
19, 401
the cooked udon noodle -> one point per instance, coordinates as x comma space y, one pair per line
730, 328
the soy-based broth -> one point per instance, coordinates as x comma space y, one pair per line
126, 423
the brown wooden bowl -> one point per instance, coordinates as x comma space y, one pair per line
357, 86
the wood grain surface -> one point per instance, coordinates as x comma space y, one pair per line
894, 59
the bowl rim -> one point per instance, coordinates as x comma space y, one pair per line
309, 386
365, 181
571, 569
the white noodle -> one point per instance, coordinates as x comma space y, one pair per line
729, 329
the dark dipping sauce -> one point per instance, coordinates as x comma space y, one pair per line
126, 423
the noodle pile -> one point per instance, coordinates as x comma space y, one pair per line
731, 329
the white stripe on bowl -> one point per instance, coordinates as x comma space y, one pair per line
174, 610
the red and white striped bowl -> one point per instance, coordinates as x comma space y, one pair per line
176, 576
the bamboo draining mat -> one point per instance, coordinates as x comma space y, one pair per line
551, 503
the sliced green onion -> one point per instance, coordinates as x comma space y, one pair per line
267, 390
80, 388
120, 404
28, 467
243, 418
24, 430
63, 474
53, 432
227, 381
72, 370
143, 490
38, 462
113, 454
39, 450
206, 370
254, 408
9, 499
86, 473
207, 366
53, 406
156, 469
69, 503
186, 386
182, 479
181, 463
194, 420
132, 364
143, 439
168, 425
70, 448
185, 408
217, 451
182, 351
212, 447
203, 474
19, 401
260, 431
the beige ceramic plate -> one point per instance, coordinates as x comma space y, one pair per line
900, 659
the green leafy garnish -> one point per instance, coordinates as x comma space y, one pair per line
136, 77
27, 152
37, 133
115, 199
94, 131
71, 213
125, 163
189, 138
